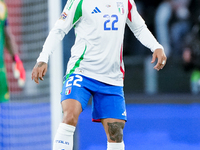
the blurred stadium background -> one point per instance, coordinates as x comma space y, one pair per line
162, 112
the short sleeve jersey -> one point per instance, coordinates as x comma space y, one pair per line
99, 29
3, 22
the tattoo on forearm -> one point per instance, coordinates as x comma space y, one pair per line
115, 131
39, 64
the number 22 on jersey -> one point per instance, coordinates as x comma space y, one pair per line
110, 22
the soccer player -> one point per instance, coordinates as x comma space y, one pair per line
95, 67
7, 39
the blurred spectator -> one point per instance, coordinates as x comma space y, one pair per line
191, 56
171, 24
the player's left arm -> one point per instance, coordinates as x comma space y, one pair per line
18, 68
162, 59
143, 34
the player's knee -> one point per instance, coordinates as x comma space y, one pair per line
115, 131
70, 119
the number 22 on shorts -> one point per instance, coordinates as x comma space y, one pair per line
74, 80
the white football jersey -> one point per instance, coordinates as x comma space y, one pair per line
99, 28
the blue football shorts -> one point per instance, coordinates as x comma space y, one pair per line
107, 100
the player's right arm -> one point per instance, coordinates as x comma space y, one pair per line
69, 17
39, 71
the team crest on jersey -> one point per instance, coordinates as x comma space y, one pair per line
120, 7
68, 91
63, 16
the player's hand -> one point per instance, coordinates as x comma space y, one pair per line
39, 71
19, 71
162, 59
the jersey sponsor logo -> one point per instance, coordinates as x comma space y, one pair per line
63, 16
96, 10
120, 7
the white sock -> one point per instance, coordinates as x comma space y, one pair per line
115, 146
64, 137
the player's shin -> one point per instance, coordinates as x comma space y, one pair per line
64, 137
